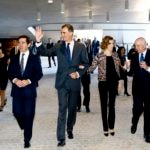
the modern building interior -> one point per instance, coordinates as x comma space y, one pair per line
125, 20
116, 17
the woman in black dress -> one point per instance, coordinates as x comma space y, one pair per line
3, 78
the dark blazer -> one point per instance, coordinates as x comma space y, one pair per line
141, 77
33, 72
79, 57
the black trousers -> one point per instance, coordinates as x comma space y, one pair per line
67, 100
137, 109
24, 111
85, 80
107, 93
146, 115
125, 79
49, 60
141, 104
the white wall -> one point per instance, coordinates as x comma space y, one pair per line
123, 33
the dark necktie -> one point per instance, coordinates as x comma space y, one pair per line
141, 57
22, 63
68, 54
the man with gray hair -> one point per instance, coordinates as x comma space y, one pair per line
140, 69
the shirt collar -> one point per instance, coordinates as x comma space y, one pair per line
144, 53
71, 42
26, 52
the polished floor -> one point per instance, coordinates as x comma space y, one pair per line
88, 133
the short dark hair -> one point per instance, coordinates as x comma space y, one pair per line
68, 26
25, 37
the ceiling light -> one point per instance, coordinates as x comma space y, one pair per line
62, 7
38, 16
107, 17
50, 1
90, 4
126, 5
90, 15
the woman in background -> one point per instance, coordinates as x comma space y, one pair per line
3, 78
108, 76
123, 71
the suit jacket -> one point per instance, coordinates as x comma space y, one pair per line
141, 77
33, 72
79, 57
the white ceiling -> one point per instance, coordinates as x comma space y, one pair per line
17, 15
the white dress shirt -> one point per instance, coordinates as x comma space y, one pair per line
71, 46
26, 55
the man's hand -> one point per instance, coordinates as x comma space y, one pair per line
25, 83
143, 65
38, 34
21, 83
74, 75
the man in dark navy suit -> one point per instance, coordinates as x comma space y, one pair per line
72, 64
24, 73
140, 69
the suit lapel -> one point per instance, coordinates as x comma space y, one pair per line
18, 62
147, 57
74, 50
63, 48
28, 63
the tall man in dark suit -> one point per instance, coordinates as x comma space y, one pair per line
140, 69
71, 66
24, 73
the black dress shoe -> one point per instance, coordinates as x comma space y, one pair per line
106, 133
87, 109
147, 138
78, 109
70, 134
133, 129
112, 132
127, 94
1, 108
27, 144
61, 143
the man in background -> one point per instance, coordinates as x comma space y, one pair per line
49, 45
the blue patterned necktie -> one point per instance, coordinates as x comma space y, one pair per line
141, 57
68, 54
22, 63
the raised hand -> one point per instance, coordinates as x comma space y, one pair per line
38, 34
